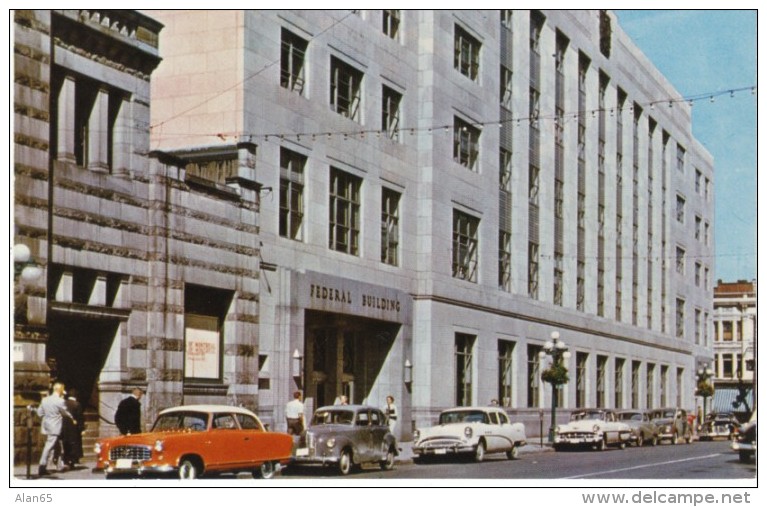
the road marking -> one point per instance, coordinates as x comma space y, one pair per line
642, 466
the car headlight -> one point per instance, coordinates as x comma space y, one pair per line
331, 442
97, 448
158, 445
468, 432
416, 435
595, 429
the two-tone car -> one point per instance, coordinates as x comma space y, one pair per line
346, 436
719, 425
643, 431
593, 427
672, 424
473, 431
195, 440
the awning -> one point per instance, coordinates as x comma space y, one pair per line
724, 398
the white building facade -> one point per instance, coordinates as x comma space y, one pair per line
442, 190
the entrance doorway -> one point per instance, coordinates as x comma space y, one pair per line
344, 356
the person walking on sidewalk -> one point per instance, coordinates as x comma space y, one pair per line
294, 413
391, 413
52, 411
128, 415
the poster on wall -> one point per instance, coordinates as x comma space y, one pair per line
202, 348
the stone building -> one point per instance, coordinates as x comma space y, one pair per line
142, 253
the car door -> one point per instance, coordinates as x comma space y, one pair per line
490, 428
506, 431
255, 441
379, 429
227, 448
363, 436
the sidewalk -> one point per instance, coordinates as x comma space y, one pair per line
84, 472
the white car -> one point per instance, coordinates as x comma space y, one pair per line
594, 427
474, 431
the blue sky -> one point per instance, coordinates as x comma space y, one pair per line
702, 51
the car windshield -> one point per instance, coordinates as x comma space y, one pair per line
630, 416
194, 421
332, 417
663, 414
463, 416
587, 414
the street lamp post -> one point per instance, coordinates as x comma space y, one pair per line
556, 375
705, 389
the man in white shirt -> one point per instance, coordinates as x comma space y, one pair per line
294, 413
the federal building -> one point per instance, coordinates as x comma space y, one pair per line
361, 203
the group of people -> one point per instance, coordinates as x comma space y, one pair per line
294, 412
63, 426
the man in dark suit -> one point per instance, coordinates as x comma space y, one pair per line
128, 415
72, 432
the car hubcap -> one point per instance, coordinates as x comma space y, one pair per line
187, 471
267, 470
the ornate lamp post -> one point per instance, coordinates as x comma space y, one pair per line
556, 374
705, 389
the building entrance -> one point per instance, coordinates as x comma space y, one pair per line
344, 355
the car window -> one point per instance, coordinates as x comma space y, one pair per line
375, 418
224, 422
248, 422
503, 418
362, 419
181, 421
332, 417
458, 416
493, 418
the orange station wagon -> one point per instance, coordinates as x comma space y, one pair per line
195, 440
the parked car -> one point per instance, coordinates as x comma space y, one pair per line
473, 431
719, 425
672, 424
642, 429
595, 427
196, 440
745, 444
345, 436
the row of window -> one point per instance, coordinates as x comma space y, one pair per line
591, 386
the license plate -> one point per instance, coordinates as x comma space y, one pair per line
302, 452
124, 463
440, 451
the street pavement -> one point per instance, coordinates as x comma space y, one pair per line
85, 471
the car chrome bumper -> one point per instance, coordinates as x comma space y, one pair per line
139, 469
441, 450
577, 440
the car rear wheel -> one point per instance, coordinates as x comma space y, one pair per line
188, 469
388, 462
602, 445
513, 453
654, 440
479, 452
345, 462
267, 470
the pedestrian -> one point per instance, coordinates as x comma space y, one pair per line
493, 402
52, 411
128, 415
341, 400
72, 432
391, 413
294, 414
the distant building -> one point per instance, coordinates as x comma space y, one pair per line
735, 323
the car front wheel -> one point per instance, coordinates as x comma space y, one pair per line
479, 452
345, 462
188, 469
640, 440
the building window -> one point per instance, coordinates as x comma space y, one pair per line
205, 314
292, 61
389, 226
391, 21
465, 143
505, 372
680, 158
580, 286
698, 227
505, 93
705, 278
727, 333
533, 375
464, 344
390, 112
705, 234
707, 189
506, 18
664, 386
680, 202
504, 260
466, 58
581, 360
533, 185
650, 384
291, 194
345, 89
465, 243
344, 220
601, 381
698, 326
532, 270
679, 318
618, 381
698, 179
698, 267
679, 386
558, 278
727, 366
635, 371
680, 253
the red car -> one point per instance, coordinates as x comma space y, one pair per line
195, 440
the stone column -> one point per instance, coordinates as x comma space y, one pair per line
121, 142
65, 124
98, 133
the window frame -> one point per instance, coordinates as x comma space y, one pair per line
466, 55
345, 215
346, 89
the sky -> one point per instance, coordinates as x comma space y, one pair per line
703, 51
